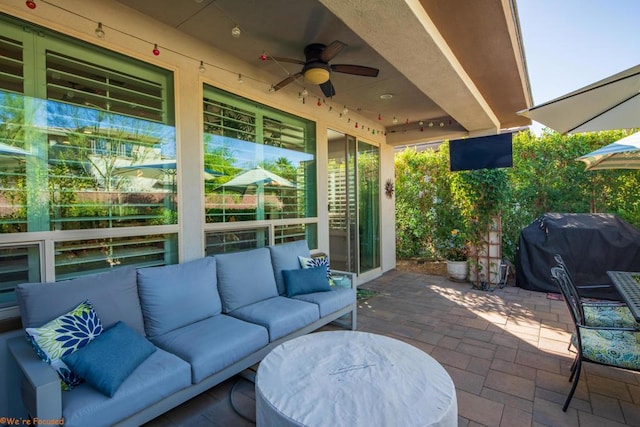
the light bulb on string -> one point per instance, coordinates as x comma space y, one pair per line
430, 124
345, 110
441, 124
272, 89
263, 57
236, 32
356, 125
31, 4
395, 120
421, 123
240, 79
379, 116
202, 68
155, 50
319, 103
304, 92
99, 30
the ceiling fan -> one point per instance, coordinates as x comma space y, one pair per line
316, 68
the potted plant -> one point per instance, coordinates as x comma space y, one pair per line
455, 250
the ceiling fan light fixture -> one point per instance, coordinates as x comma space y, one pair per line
316, 76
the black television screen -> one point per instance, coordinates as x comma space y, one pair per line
486, 152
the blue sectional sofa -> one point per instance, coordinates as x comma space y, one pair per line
209, 319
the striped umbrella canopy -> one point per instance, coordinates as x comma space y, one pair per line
622, 154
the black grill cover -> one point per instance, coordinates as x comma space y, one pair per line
590, 244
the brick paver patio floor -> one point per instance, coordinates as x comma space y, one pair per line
505, 350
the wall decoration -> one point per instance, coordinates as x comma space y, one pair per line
388, 188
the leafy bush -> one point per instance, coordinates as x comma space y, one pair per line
545, 177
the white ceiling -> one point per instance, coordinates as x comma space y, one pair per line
398, 31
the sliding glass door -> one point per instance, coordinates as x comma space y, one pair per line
353, 203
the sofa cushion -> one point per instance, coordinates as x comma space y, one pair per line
212, 344
160, 375
285, 257
332, 301
176, 295
110, 358
63, 336
305, 281
318, 261
280, 315
114, 296
244, 278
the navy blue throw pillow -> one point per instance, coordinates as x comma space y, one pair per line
306, 280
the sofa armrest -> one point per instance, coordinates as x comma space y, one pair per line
351, 276
40, 385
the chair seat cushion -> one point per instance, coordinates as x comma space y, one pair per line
160, 375
280, 315
331, 301
615, 348
212, 344
609, 315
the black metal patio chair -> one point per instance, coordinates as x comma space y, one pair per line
616, 347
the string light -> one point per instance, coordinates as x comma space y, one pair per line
395, 120
441, 124
236, 32
99, 30
430, 124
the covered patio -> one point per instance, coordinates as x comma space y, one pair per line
505, 350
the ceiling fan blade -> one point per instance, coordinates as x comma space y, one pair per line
332, 50
288, 80
281, 59
358, 70
327, 89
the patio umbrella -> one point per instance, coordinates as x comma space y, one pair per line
611, 103
157, 170
9, 154
261, 178
622, 154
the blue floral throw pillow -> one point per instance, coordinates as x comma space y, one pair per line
64, 335
321, 261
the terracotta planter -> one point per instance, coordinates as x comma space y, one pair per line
457, 270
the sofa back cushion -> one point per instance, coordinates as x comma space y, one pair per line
173, 296
244, 278
114, 296
285, 257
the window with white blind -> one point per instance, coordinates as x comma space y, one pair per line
87, 141
263, 167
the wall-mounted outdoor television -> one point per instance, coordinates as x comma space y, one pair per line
486, 152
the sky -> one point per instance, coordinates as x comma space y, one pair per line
569, 44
